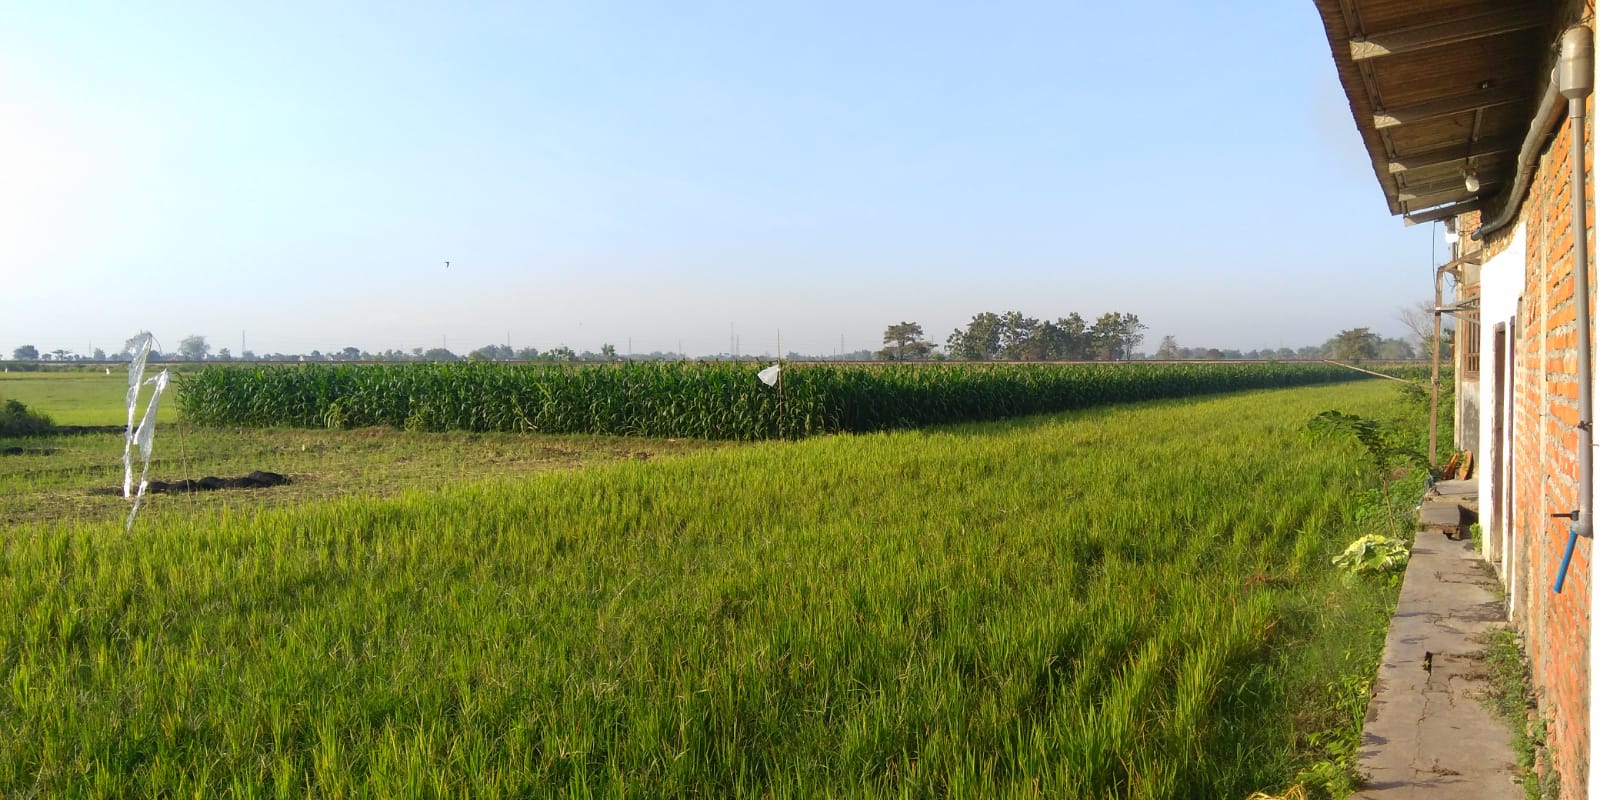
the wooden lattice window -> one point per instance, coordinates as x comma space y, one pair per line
1468, 340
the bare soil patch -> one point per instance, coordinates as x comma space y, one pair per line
260, 479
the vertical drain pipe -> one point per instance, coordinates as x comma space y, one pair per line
1576, 72
1594, 630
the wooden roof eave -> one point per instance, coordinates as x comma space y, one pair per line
1338, 32
1436, 86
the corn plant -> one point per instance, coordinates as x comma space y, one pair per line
707, 401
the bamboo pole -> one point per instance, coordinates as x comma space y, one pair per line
1433, 404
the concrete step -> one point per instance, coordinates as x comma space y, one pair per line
1450, 507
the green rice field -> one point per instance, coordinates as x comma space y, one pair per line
80, 397
1124, 601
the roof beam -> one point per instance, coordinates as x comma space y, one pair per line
1441, 185
1443, 212
1490, 170
1352, 17
1429, 196
1421, 37
1485, 98
1444, 156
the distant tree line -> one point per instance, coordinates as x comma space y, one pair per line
195, 348
1355, 344
1011, 336
1113, 336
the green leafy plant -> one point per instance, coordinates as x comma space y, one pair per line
1374, 554
1330, 777
16, 419
1335, 773
1418, 396
1387, 444
1390, 447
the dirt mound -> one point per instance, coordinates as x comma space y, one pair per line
255, 480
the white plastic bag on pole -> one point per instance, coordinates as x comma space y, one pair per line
141, 352
146, 437
769, 376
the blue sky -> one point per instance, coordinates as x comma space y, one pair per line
599, 172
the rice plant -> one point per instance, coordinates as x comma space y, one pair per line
1122, 602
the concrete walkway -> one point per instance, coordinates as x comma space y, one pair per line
1427, 734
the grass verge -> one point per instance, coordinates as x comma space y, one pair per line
1512, 700
1334, 725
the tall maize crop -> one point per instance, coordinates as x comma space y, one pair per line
710, 401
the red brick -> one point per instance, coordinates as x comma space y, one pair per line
1544, 414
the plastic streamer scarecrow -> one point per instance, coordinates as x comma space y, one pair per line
144, 436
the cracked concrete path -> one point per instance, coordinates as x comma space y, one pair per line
1427, 734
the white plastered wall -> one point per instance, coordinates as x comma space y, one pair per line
1503, 279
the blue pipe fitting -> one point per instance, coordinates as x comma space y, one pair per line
1572, 542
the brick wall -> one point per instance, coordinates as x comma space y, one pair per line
1544, 479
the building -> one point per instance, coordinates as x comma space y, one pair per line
1466, 109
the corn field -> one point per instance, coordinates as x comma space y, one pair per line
708, 401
